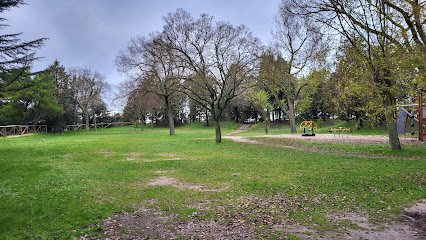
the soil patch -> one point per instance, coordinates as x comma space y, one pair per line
165, 171
168, 154
107, 153
152, 224
242, 128
241, 139
15, 136
169, 159
256, 218
173, 182
135, 154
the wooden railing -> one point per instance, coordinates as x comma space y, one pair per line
10, 130
21, 129
98, 125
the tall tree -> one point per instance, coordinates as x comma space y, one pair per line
381, 30
219, 59
87, 86
140, 103
64, 93
317, 99
15, 55
33, 104
146, 59
299, 42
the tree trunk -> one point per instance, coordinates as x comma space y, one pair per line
86, 116
94, 122
389, 113
265, 119
207, 119
218, 131
142, 123
171, 121
393, 134
291, 115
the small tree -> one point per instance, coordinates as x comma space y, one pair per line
260, 100
87, 86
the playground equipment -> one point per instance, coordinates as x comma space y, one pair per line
416, 109
341, 131
310, 125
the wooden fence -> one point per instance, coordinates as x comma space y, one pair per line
98, 125
10, 130
21, 129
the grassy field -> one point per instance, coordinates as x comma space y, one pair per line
56, 186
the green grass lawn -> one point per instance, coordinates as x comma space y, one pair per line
56, 186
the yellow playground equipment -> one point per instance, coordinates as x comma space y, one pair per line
310, 125
341, 130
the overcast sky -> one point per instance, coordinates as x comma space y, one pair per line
90, 33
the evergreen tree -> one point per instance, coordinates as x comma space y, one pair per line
15, 55
64, 94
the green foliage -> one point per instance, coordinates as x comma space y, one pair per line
15, 55
64, 94
260, 100
316, 98
32, 103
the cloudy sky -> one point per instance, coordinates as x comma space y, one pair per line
90, 33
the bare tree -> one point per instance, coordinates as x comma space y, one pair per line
298, 42
147, 60
87, 85
219, 59
140, 103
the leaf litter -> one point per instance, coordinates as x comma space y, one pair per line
252, 217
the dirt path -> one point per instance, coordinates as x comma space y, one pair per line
345, 138
350, 138
242, 128
242, 139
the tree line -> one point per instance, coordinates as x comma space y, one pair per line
54, 96
351, 59
330, 59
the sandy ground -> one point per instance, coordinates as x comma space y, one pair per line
345, 138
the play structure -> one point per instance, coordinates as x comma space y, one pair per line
340, 131
414, 113
310, 125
